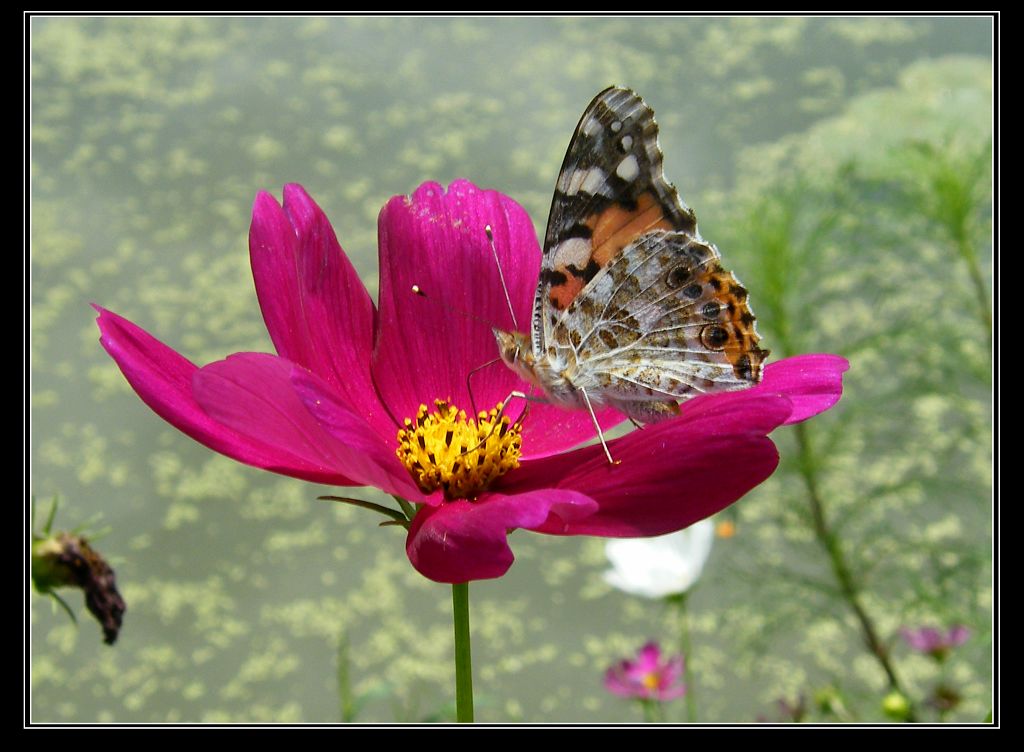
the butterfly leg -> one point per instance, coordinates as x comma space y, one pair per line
597, 426
527, 398
497, 421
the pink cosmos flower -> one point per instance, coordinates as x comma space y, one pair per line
935, 642
649, 677
348, 375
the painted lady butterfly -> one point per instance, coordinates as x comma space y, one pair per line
633, 309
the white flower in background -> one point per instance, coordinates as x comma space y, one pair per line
662, 566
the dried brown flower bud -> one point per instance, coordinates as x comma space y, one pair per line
67, 560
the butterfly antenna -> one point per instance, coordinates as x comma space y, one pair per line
501, 275
417, 290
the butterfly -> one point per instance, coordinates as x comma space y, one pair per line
633, 308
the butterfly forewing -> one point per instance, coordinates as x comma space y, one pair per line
633, 308
610, 190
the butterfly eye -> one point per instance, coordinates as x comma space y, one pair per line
510, 353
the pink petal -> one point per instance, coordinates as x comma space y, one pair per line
914, 638
549, 429
316, 309
460, 541
616, 683
252, 393
670, 474
671, 672
429, 345
163, 379
813, 383
436, 240
671, 693
380, 467
958, 635
647, 658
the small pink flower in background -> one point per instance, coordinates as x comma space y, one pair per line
649, 677
349, 375
935, 642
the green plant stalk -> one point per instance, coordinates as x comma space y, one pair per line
463, 654
840, 569
684, 645
776, 273
966, 252
653, 712
955, 186
348, 705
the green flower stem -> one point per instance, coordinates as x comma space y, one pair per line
684, 645
348, 704
463, 654
652, 711
848, 587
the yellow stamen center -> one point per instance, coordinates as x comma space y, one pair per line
650, 681
444, 450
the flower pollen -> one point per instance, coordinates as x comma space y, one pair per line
462, 457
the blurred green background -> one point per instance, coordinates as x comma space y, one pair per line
843, 166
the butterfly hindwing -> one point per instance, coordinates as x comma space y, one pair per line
662, 321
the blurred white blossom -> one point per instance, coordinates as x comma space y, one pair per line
662, 566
